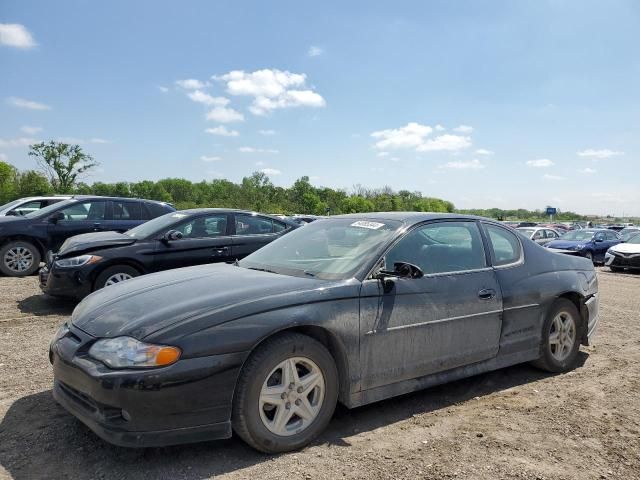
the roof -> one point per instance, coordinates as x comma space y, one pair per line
124, 199
194, 211
411, 217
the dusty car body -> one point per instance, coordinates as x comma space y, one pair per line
414, 300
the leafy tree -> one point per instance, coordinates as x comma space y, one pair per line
32, 183
8, 178
62, 163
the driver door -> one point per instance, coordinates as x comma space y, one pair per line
81, 217
448, 318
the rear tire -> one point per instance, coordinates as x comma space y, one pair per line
286, 394
19, 258
589, 256
561, 333
616, 269
114, 275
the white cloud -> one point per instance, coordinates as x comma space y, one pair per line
267, 133
314, 51
259, 163
224, 115
29, 104
474, 164
206, 158
395, 159
599, 154
588, 170
222, 131
548, 176
382, 154
446, 142
410, 136
439, 128
17, 142
3, 157
191, 84
463, 129
271, 171
257, 150
16, 35
540, 163
272, 89
202, 97
290, 98
163, 89
213, 173
483, 151
30, 130
413, 136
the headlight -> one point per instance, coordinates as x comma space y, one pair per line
62, 331
77, 261
127, 352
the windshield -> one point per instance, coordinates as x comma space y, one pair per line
332, 249
632, 236
43, 212
578, 235
156, 225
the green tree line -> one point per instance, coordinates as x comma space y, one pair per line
255, 192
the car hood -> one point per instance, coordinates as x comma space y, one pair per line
93, 241
219, 292
563, 244
626, 248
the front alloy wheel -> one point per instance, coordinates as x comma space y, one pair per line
291, 396
286, 393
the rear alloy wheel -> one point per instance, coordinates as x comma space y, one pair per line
560, 338
286, 394
19, 259
589, 256
114, 275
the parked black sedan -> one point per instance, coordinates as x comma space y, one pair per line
24, 240
86, 263
352, 308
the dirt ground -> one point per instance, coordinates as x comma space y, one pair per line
514, 423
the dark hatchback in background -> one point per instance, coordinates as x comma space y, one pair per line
353, 308
25, 240
180, 239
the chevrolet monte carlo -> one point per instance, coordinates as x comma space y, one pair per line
354, 309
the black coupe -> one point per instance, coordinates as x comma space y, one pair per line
352, 308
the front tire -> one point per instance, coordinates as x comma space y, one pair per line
286, 394
114, 275
19, 259
616, 269
560, 338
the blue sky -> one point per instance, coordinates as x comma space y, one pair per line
502, 103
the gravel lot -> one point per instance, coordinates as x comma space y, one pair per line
514, 423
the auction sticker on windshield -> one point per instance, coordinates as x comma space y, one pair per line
365, 224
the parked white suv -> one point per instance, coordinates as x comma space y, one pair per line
22, 206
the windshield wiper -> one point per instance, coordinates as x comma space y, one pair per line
261, 269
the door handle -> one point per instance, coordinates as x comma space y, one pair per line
486, 294
221, 250
97, 226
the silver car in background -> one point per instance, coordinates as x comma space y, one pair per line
540, 235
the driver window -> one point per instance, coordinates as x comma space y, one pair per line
442, 247
210, 226
85, 211
599, 236
538, 235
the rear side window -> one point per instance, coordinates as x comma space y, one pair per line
127, 211
156, 209
505, 247
253, 225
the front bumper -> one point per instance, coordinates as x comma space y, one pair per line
593, 311
189, 401
67, 282
622, 260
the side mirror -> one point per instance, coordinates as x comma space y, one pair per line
56, 217
12, 213
172, 235
598, 240
402, 270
